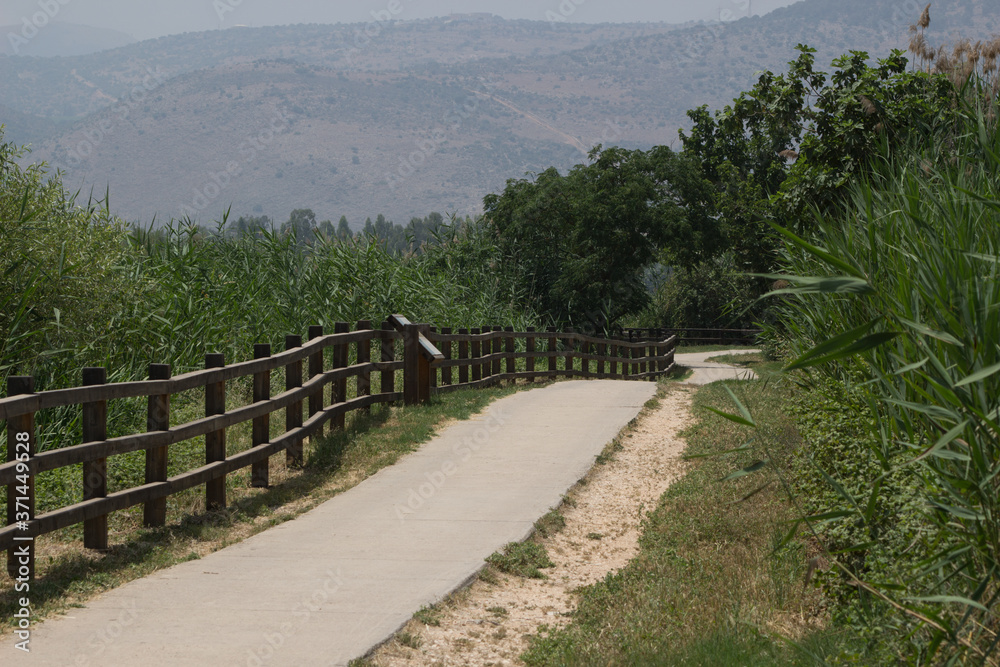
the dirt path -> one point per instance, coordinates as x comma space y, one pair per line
489, 623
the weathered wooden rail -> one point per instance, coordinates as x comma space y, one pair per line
466, 359
694, 336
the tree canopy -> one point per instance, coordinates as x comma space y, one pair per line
582, 240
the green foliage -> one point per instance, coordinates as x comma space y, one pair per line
898, 298
64, 277
830, 125
708, 583
583, 240
713, 294
229, 293
838, 431
551, 523
522, 559
429, 615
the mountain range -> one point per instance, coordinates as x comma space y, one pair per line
404, 118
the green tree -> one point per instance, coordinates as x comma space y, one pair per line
795, 140
583, 240
300, 225
326, 228
248, 224
343, 229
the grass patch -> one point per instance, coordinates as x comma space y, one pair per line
680, 373
68, 575
499, 612
609, 452
522, 559
429, 615
755, 361
708, 587
410, 639
745, 359
551, 523
488, 575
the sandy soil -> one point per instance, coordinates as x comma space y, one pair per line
489, 623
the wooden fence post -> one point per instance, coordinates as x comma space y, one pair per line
364, 357
95, 473
154, 512
509, 349
424, 371
388, 347
553, 348
411, 364
463, 353
215, 442
613, 361
316, 368
529, 348
446, 351
477, 369
339, 387
21, 446
485, 351
293, 413
602, 352
260, 471
570, 344
432, 375
498, 345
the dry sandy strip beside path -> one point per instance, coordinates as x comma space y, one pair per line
489, 624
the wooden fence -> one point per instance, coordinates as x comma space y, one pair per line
432, 362
694, 336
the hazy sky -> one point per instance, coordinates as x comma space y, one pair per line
144, 19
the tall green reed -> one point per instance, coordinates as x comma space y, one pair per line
900, 299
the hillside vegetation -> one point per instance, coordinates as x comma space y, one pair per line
426, 116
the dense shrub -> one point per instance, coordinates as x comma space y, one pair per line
899, 301
712, 294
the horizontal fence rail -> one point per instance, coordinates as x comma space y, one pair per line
694, 336
432, 362
491, 357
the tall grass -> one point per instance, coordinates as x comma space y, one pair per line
80, 288
898, 302
221, 294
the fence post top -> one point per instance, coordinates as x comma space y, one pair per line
20, 384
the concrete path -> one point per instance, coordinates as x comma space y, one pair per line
709, 371
330, 585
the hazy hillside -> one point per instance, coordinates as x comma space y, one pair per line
279, 118
74, 87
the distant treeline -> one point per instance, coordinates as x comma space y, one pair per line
303, 226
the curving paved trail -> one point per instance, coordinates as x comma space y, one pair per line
710, 371
330, 585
